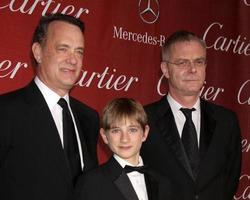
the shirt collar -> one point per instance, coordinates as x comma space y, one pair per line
49, 95
123, 162
175, 106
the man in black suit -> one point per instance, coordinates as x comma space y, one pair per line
40, 156
195, 143
124, 128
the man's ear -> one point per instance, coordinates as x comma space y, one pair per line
104, 136
164, 69
37, 52
145, 134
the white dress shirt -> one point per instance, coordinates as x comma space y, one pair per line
51, 99
137, 179
180, 117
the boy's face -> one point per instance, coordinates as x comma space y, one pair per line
125, 138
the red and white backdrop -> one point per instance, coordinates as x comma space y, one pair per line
123, 40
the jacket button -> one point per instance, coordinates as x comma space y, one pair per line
196, 196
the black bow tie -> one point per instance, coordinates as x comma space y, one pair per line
140, 169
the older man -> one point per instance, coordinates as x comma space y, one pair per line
48, 138
195, 143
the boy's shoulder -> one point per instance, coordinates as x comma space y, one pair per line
108, 169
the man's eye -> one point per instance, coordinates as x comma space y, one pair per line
62, 49
200, 62
182, 63
80, 52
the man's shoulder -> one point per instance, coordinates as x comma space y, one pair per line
156, 104
216, 109
13, 92
81, 107
157, 109
12, 97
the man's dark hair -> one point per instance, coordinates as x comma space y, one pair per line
41, 30
179, 36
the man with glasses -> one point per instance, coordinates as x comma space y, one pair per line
195, 143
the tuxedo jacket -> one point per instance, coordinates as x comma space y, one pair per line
111, 183
32, 160
220, 152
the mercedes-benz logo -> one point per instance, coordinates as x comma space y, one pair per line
149, 10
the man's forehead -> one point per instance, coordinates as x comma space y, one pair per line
187, 46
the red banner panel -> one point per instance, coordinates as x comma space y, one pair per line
122, 55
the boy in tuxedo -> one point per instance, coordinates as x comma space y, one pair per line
123, 176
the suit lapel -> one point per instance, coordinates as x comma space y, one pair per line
82, 127
207, 128
86, 157
47, 132
124, 185
208, 125
115, 173
167, 127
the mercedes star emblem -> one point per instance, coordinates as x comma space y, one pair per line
149, 10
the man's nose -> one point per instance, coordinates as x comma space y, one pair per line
72, 59
192, 66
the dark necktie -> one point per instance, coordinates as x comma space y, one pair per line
140, 169
189, 140
70, 141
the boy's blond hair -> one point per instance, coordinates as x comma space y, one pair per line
123, 108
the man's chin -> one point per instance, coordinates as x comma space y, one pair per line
68, 85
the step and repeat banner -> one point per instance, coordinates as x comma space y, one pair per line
122, 57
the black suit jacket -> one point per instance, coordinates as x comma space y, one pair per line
220, 152
109, 182
32, 161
